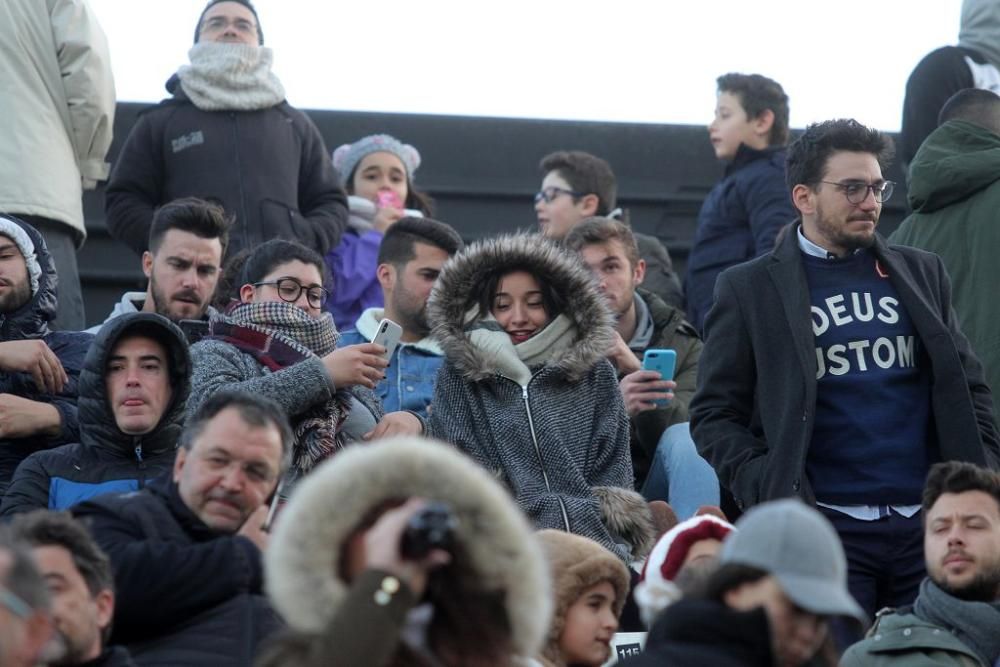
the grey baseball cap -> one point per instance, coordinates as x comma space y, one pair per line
800, 548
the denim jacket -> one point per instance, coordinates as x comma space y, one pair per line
409, 379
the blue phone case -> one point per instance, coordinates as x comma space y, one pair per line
663, 361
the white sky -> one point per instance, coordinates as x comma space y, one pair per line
626, 60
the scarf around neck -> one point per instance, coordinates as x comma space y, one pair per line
516, 361
278, 335
230, 77
974, 623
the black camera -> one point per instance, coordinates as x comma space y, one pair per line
433, 527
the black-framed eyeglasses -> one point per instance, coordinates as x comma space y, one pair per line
289, 289
857, 191
548, 194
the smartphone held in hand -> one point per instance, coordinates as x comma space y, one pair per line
661, 361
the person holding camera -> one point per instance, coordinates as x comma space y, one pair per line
405, 553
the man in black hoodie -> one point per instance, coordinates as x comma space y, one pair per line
133, 387
227, 135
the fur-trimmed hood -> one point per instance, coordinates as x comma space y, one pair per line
464, 275
577, 563
305, 550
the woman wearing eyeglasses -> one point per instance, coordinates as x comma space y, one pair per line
277, 341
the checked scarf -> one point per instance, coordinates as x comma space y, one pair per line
278, 335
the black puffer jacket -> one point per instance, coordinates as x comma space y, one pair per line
269, 168
185, 594
106, 460
31, 321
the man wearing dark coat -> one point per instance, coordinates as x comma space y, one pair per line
228, 135
834, 368
38, 367
187, 550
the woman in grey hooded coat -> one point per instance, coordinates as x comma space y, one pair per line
540, 408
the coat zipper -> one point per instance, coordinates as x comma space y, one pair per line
239, 178
541, 462
141, 462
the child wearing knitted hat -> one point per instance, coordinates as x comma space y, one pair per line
590, 585
377, 172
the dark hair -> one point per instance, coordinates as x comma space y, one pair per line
255, 410
190, 214
267, 256
973, 105
552, 300
959, 477
23, 578
808, 155
586, 174
727, 577
757, 94
603, 230
399, 243
245, 3
42, 528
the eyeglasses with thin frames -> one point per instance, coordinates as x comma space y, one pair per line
220, 23
15, 603
289, 289
857, 191
549, 194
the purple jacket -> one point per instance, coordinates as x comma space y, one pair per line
355, 287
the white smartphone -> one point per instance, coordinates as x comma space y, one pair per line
387, 335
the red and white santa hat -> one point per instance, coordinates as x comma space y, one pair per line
656, 590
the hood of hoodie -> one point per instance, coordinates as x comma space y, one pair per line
955, 161
464, 276
98, 427
32, 319
980, 26
307, 544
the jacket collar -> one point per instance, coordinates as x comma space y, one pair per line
746, 155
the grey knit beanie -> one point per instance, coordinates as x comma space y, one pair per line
347, 157
11, 228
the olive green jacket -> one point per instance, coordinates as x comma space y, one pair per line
903, 640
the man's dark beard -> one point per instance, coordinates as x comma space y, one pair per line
19, 295
161, 303
984, 587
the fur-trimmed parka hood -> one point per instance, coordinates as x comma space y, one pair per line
464, 275
304, 556
576, 564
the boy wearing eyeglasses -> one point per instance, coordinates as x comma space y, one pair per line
744, 211
576, 186
834, 368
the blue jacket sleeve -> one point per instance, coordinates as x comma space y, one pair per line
29, 488
768, 206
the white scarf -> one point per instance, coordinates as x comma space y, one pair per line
515, 361
235, 77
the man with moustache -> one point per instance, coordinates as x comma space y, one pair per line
956, 618
410, 258
187, 240
38, 367
834, 368
187, 550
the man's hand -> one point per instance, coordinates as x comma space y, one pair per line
622, 357
356, 364
20, 418
253, 528
641, 388
385, 217
396, 423
35, 357
382, 548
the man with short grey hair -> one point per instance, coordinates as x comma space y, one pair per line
186, 551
